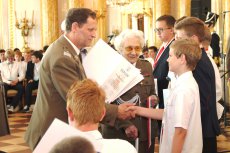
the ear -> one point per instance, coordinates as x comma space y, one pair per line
74, 27
103, 114
70, 114
194, 37
183, 59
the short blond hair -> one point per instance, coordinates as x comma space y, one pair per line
87, 101
190, 49
9, 53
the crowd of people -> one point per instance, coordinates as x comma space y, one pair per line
20, 71
182, 65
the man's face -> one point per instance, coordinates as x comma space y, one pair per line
86, 33
163, 31
131, 49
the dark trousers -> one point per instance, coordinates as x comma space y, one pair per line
16, 99
209, 145
28, 92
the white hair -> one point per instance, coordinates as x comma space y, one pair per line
128, 33
63, 26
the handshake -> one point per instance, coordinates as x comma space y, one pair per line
129, 110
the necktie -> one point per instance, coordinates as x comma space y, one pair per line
82, 54
158, 56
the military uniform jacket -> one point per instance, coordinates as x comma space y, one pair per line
60, 68
144, 89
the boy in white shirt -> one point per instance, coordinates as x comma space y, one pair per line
86, 108
181, 122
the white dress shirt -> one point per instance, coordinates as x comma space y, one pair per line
12, 71
112, 145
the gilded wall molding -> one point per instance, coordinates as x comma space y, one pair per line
11, 22
75, 3
49, 22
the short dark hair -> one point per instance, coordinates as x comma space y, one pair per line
79, 15
154, 48
45, 47
75, 144
170, 20
37, 54
16, 49
2, 51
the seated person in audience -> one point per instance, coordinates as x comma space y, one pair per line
18, 58
12, 76
2, 55
153, 52
181, 120
27, 56
32, 77
86, 108
73, 145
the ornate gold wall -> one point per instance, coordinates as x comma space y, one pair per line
11, 23
49, 21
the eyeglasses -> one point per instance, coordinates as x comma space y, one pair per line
160, 30
130, 48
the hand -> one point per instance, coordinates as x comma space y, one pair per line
131, 132
14, 82
30, 81
123, 112
154, 100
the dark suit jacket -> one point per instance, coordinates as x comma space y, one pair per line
30, 71
59, 69
160, 72
205, 78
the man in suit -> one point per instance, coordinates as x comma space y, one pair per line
32, 77
59, 69
165, 32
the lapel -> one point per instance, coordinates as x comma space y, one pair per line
164, 55
68, 49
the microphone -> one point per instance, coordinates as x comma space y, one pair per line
226, 11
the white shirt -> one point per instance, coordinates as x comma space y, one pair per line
217, 78
12, 72
36, 70
112, 145
183, 110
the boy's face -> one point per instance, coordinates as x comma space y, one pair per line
34, 59
174, 62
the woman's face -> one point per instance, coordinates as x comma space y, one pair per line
131, 49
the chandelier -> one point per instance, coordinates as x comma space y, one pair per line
118, 2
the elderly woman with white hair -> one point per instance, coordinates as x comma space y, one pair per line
130, 43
